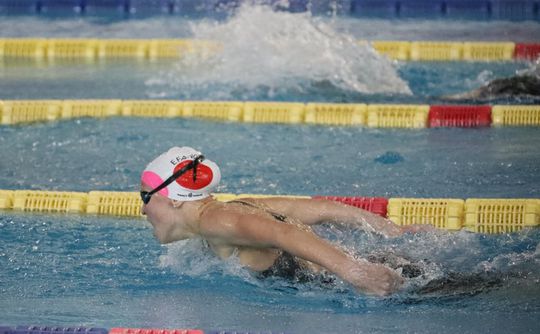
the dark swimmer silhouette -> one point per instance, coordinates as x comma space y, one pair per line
525, 84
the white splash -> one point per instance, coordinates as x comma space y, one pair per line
505, 262
533, 70
189, 257
262, 47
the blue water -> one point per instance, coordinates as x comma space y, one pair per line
107, 272
277, 159
81, 270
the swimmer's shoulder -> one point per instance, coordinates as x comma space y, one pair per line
235, 223
218, 220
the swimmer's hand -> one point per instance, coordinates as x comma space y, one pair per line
374, 279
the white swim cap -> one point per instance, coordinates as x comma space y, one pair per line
185, 187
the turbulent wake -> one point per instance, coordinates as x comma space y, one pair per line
279, 51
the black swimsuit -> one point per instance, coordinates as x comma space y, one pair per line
277, 216
286, 265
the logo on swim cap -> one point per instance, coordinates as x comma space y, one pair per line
187, 187
204, 176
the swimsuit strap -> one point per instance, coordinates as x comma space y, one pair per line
276, 216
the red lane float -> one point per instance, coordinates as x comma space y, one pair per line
462, 116
120, 330
377, 205
527, 51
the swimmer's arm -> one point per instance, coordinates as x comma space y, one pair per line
261, 232
317, 211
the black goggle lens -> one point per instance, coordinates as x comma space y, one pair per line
145, 196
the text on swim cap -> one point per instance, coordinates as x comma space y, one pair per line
190, 195
181, 158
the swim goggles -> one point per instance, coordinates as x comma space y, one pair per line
147, 195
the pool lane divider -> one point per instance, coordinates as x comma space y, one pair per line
340, 114
153, 49
494, 215
120, 330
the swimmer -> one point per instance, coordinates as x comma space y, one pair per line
525, 84
270, 236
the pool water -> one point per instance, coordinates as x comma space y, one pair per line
277, 159
106, 272
74, 270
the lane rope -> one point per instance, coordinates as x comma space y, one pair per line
474, 214
152, 49
342, 114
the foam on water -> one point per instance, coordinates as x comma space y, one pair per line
189, 258
280, 50
533, 70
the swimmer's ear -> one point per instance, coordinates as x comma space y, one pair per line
177, 204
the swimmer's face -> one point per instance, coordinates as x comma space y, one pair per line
160, 213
